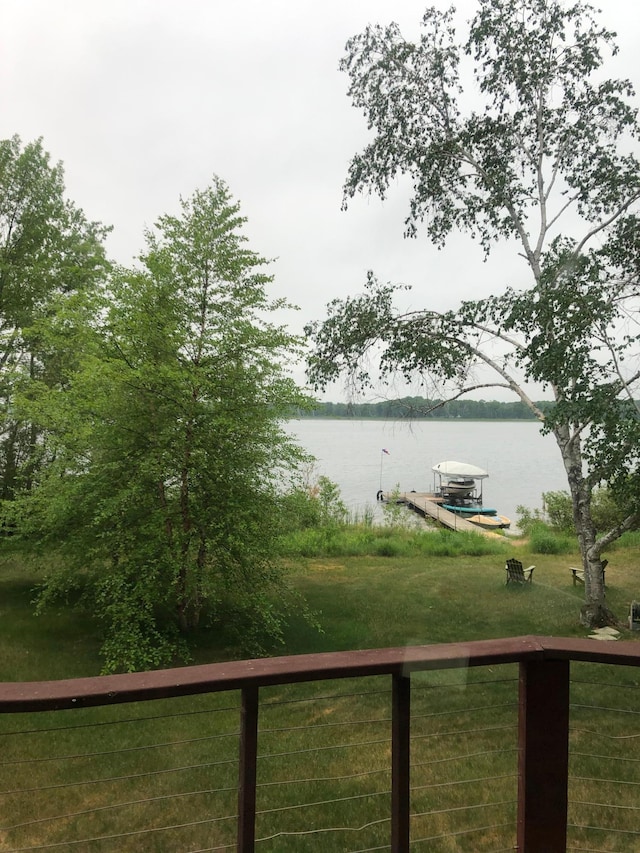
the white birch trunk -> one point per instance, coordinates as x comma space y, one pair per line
594, 612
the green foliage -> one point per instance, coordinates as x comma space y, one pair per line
299, 510
543, 540
630, 539
605, 511
313, 504
48, 253
163, 497
316, 524
332, 509
535, 67
559, 509
527, 518
365, 540
553, 531
396, 515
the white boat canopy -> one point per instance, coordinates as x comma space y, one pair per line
459, 469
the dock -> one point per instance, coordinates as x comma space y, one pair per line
428, 504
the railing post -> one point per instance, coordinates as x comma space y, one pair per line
247, 771
543, 765
400, 763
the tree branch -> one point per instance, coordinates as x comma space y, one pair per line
604, 224
631, 522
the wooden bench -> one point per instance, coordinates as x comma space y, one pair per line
578, 574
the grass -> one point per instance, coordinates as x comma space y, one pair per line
366, 540
61, 643
366, 602
333, 738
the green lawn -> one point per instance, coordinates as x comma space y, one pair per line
368, 602
359, 602
118, 774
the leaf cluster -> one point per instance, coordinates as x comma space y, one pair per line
542, 120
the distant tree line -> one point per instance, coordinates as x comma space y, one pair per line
421, 408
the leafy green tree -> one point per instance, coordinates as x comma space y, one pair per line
165, 492
313, 503
549, 145
48, 252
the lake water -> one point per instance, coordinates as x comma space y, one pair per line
522, 463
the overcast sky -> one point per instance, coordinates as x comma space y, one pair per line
144, 100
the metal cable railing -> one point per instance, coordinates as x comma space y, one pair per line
460, 792
437, 756
112, 781
604, 769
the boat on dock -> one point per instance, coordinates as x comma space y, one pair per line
470, 509
459, 487
456, 499
489, 522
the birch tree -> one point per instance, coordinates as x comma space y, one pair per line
545, 160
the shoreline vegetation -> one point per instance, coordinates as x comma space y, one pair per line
420, 408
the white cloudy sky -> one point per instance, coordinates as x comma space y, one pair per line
143, 100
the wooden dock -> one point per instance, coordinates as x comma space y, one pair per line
427, 504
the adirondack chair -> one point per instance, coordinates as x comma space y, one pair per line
578, 574
516, 574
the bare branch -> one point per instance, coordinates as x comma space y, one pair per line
597, 229
625, 384
510, 382
631, 522
468, 390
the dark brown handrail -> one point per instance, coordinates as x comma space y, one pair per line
543, 713
236, 675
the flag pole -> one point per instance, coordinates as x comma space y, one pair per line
384, 452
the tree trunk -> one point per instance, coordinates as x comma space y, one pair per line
8, 464
188, 614
189, 599
594, 612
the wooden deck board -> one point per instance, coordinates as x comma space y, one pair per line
425, 504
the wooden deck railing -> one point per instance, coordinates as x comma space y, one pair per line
543, 719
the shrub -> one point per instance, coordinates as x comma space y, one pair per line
314, 505
559, 509
397, 515
543, 540
389, 548
528, 518
605, 511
